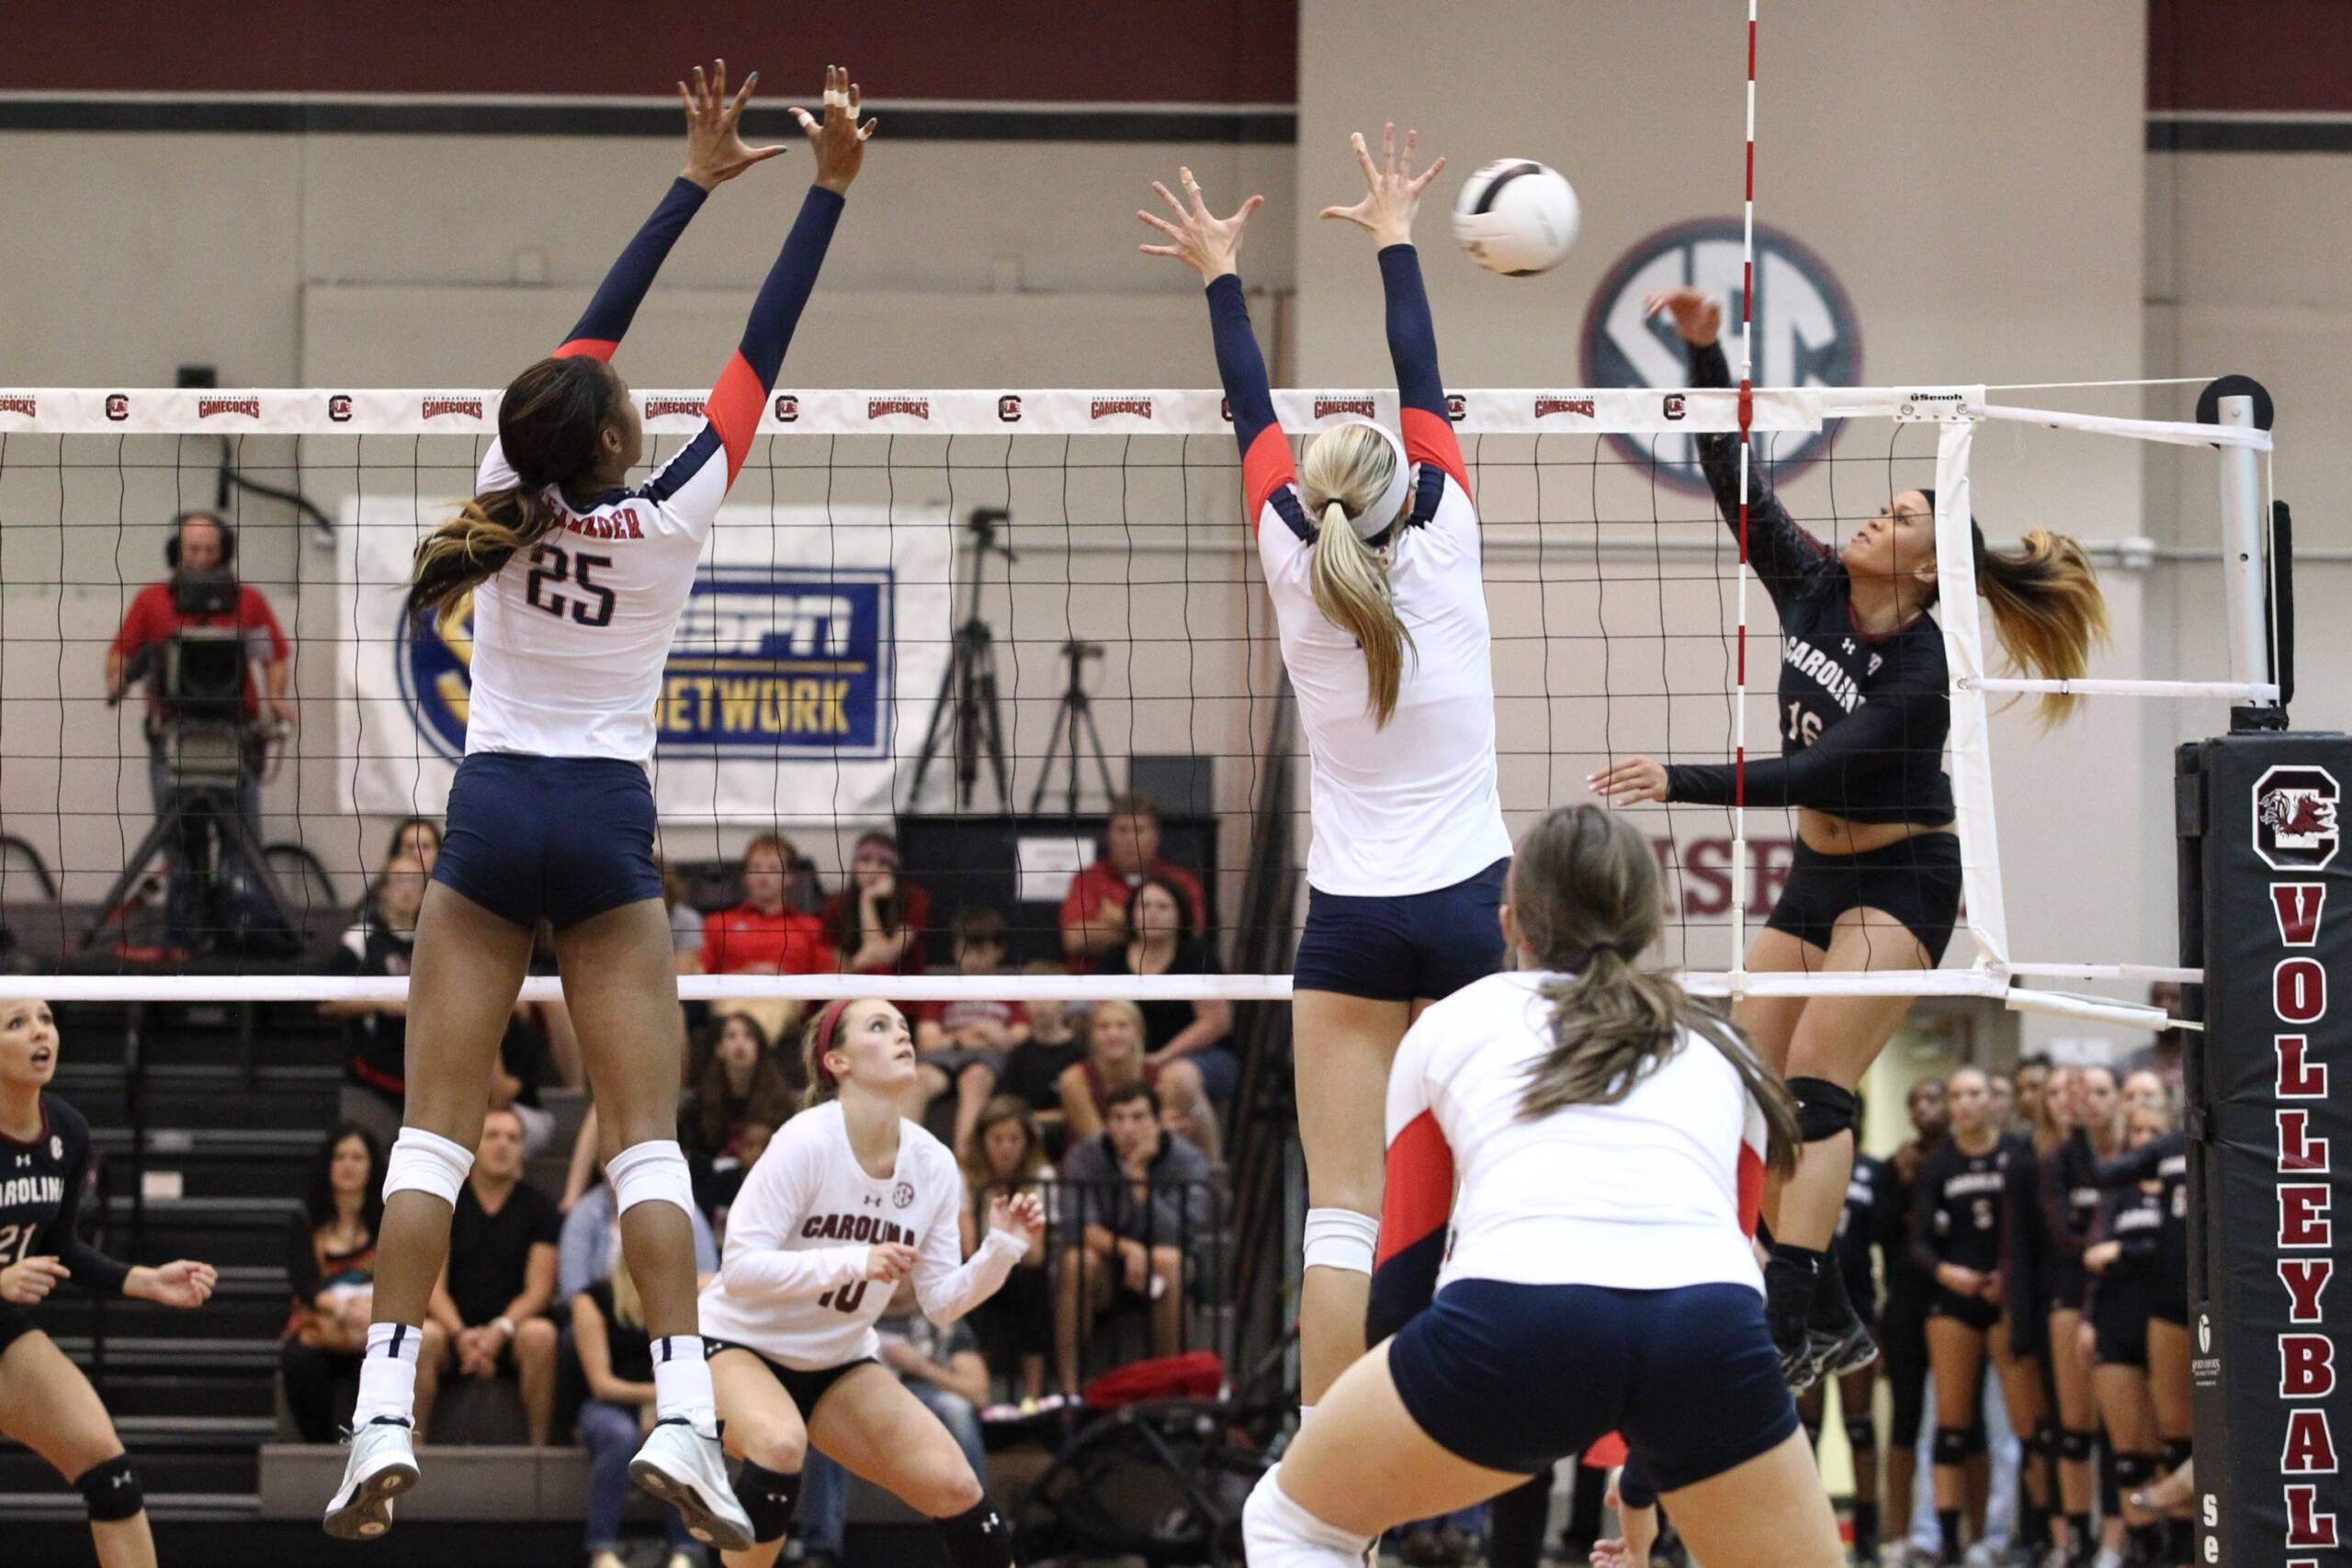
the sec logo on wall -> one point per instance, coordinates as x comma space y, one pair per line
1806, 333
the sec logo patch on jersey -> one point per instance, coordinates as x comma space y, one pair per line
903, 1194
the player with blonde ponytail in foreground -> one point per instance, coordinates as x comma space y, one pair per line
1370, 551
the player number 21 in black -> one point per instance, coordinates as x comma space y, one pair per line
589, 603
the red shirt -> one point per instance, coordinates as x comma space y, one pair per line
1091, 888
840, 919
953, 1016
735, 939
153, 617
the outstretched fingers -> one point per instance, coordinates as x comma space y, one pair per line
1364, 161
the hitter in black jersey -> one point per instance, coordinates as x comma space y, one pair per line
1865, 704
45, 1402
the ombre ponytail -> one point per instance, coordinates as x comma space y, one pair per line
1347, 468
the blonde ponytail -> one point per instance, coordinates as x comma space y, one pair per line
2047, 610
474, 546
1347, 468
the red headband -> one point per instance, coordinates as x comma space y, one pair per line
827, 1021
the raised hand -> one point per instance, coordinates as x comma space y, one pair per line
716, 152
1392, 191
1630, 782
838, 139
1208, 244
1697, 317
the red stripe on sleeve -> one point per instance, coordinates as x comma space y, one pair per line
585, 347
1751, 1188
734, 410
1431, 439
1420, 1198
1265, 469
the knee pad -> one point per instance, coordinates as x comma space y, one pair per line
1342, 1238
2043, 1442
1862, 1435
2132, 1471
767, 1496
1278, 1533
110, 1490
1824, 1109
2075, 1445
2175, 1454
426, 1162
978, 1538
653, 1171
1976, 1443
1951, 1445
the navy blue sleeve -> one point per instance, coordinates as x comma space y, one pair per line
605, 321
749, 376
1239, 363
1412, 338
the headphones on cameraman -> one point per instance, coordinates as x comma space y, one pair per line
221, 523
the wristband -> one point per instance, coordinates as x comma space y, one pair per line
504, 1324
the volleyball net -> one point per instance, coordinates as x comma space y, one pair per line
975, 619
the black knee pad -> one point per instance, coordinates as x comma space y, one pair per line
1976, 1443
2175, 1453
978, 1538
1862, 1435
2132, 1471
767, 1496
2075, 1445
2043, 1442
1824, 1109
1951, 1445
110, 1490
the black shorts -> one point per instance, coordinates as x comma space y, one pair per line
1514, 1377
1415, 946
804, 1388
560, 839
2121, 1339
2171, 1308
1974, 1311
2067, 1284
1916, 881
14, 1323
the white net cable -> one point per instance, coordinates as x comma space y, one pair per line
1615, 597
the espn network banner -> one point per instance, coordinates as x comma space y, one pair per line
803, 668
2267, 909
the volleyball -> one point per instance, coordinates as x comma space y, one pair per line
1516, 217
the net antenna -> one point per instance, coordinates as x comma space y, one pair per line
967, 702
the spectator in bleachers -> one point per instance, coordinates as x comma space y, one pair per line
1158, 944
589, 1244
419, 837
962, 1046
616, 1357
1008, 1155
514, 1077
877, 923
488, 1315
943, 1369
330, 1266
745, 1087
1032, 1072
685, 922
1115, 1058
766, 933
1095, 910
550, 1021
381, 942
1136, 1199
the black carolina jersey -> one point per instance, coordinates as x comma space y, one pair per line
1959, 1205
1862, 719
41, 1184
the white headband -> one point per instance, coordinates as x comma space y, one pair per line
1376, 519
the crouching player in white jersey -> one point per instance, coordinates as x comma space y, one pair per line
576, 584
1372, 557
850, 1198
1609, 1134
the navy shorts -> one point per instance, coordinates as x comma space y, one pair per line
559, 839
1514, 1377
1402, 949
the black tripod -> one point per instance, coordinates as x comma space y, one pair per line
1077, 708
967, 690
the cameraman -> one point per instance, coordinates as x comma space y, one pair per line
202, 545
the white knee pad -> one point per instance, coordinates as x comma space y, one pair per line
1341, 1238
426, 1162
1278, 1533
651, 1172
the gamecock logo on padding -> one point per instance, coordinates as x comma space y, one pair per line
2294, 818
1106, 408
1008, 407
1805, 334
787, 408
26, 406
339, 408
1457, 407
117, 406
656, 407
436, 407
1361, 407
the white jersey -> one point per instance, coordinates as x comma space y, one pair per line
1412, 806
1646, 1194
570, 636
792, 1280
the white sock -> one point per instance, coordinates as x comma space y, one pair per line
681, 1383
388, 1373
1304, 1412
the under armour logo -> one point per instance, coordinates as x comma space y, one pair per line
871, 1201
1849, 645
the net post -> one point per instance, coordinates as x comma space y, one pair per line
2260, 852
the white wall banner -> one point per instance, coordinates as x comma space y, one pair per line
803, 670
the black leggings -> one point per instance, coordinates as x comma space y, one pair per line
321, 1386
1903, 1342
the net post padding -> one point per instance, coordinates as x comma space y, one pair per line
1972, 739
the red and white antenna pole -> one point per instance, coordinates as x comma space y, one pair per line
1746, 414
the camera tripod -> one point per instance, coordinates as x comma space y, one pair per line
1077, 710
967, 693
